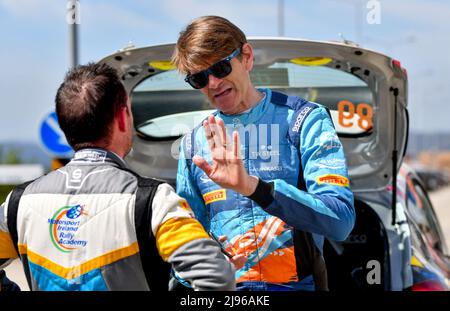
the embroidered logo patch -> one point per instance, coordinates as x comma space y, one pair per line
331, 164
214, 196
329, 143
300, 117
333, 179
63, 227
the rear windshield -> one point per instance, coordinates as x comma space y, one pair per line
166, 107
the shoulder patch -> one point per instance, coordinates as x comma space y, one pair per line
300, 117
302, 111
333, 179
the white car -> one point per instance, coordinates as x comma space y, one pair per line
366, 93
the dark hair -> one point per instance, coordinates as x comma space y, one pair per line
86, 103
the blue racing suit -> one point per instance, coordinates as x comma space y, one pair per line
303, 194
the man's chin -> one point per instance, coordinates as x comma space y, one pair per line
226, 107
226, 103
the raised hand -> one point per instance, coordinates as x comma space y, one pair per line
227, 168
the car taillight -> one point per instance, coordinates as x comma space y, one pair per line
397, 63
428, 286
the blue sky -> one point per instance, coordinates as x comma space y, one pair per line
34, 43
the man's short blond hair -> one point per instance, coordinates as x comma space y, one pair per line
205, 40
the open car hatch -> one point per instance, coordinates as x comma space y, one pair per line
366, 93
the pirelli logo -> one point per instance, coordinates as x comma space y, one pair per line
333, 179
214, 196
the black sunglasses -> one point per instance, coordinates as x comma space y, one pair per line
220, 70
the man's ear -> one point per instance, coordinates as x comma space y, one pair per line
247, 56
121, 118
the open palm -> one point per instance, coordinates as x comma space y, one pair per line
227, 168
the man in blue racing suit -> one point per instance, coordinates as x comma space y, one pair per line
273, 190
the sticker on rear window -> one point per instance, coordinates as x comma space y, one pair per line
311, 61
162, 65
364, 114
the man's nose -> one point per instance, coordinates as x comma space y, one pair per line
213, 82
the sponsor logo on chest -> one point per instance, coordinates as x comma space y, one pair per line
214, 196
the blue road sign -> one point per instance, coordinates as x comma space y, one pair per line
52, 136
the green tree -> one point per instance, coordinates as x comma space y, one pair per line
12, 157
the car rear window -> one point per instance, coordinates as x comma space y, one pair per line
166, 107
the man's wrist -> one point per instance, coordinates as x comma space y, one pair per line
250, 185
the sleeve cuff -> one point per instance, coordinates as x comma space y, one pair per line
263, 194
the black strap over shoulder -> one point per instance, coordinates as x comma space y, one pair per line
13, 207
309, 260
157, 272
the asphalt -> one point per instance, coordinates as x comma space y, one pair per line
439, 198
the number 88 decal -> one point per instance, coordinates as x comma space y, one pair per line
346, 111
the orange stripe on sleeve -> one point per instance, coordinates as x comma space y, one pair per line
176, 232
7, 249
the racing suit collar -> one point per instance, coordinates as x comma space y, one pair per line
97, 155
251, 116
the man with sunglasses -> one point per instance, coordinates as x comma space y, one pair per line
267, 190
